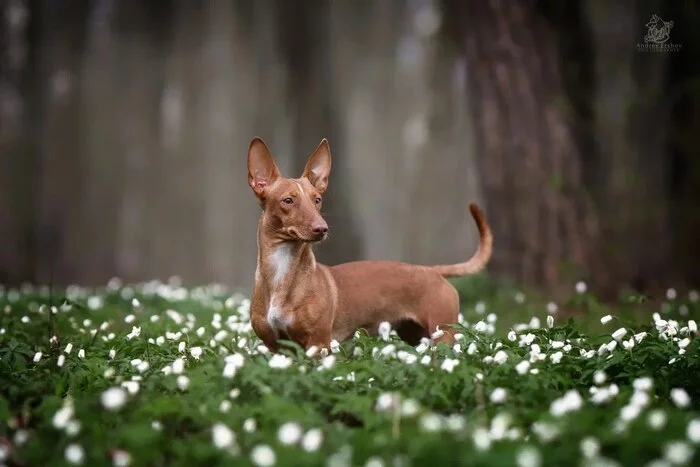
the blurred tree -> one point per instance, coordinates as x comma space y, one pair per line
531, 172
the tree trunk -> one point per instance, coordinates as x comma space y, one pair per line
529, 159
629, 133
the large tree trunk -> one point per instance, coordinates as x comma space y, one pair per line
60, 221
629, 170
529, 159
20, 30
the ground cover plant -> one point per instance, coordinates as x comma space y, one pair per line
157, 374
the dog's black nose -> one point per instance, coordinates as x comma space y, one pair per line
319, 229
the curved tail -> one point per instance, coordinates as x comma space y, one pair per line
483, 254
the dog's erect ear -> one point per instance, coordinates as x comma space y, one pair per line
318, 167
262, 170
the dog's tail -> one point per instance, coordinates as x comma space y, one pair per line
483, 254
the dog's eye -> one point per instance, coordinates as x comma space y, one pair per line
318, 200
287, 200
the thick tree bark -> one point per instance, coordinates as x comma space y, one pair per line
530, 167
629, 180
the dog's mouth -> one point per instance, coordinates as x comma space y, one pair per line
294, 234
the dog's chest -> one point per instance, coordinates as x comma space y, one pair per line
278, 320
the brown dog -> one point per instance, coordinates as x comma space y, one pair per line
295, 298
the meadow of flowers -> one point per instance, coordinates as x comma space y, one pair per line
160, 375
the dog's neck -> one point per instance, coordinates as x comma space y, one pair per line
282, 264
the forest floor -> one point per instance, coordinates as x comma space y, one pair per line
156, 374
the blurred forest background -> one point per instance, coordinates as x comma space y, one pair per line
124, 126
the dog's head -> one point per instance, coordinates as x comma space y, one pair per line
291, 206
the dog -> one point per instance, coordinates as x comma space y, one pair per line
298, 299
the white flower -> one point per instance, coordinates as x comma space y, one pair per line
183, 382
656, 419
606, 319
437, 334
69, 348
683, 343
327, 362
481, 438
471, 349
449, 364
550, 321
425, 360
135, 332
628, 344
556, 357
661, 325
643, 384
581, 288
639, 337
61, 360
498, 396
526, 339
121, 458
552, 307
599, 377
312, 440
262, 455
430, 422
178, 366
384, 329
409, 408
619, 334
693, 430
63, 416
135, 303
385, 401
196, 352
225, 406
112, 354
289, 433
113, 398
335, 346
512, 336
522, 367
279, 362
692, 326
630, 412
611, 345
569, 402
37, 357
373, 461
229, 370
501, 357
249, 425
528, 456
678, 452
81, 353
129, 319
132, 387
680, 397
480, 308
671, 294
590, 447
74, 454
222, 436
181, 346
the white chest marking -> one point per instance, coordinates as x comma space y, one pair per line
280, 259
276, 318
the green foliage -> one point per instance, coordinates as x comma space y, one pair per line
187, 362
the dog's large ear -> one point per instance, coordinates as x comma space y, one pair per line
262, 170
318, 167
